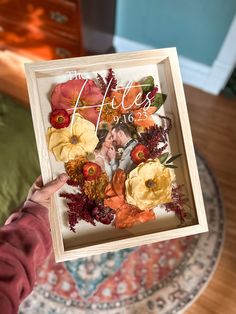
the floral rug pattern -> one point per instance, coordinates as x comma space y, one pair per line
159, 278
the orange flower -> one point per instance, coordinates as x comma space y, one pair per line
95, 189
74, 169
108, 112
143, 117
129, 215
126, 215
132, 103
129, 99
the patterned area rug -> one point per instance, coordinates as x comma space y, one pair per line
164, 277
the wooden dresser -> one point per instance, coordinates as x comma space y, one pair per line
50, 29
46, 29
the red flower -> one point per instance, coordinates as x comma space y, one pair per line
91, 171
64, 96
139, 154
59, 118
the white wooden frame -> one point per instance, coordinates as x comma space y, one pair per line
169, 69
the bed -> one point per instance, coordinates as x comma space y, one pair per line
19, 165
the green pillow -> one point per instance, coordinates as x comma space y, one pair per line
19, 165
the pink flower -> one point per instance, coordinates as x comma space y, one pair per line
64, 96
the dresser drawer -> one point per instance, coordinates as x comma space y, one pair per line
9, 5
31, 41
54, 16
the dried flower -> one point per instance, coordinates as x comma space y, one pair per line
177, 205
91, 171
72, 182
143, 117
110, 81
110, 77
126, 215
101, 83
59, 118
131, 100
105, 215
80, 208
74, 169
148, 185
64, 96
153, 93
154, 136
109, 114
147, 84
139, 154
151, 96
95, 190
71, 142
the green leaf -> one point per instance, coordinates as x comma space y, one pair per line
163, 157
149, 82
159, 100
170, 166
173, 158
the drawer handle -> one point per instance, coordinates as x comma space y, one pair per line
62, 53
58, 17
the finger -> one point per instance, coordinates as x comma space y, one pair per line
38, 182
54, 185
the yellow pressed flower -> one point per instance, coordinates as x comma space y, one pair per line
71, 142
148, 185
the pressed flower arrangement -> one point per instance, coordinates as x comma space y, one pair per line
116, 132
82, 107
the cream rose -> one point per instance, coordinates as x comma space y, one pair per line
68, 143
148, 185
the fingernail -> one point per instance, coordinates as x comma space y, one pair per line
63, 177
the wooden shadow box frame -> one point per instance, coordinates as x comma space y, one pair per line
163, 65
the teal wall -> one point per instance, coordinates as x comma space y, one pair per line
196, 27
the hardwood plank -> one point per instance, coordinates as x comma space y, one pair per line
212, 120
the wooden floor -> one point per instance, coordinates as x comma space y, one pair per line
213, 123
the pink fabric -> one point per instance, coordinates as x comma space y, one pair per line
25, 242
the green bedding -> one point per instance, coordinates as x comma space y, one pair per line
19, 165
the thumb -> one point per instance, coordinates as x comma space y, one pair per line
54, 185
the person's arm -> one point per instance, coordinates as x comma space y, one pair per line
25, 242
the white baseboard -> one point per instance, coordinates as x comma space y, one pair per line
224, 64
193, 73
208, 78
